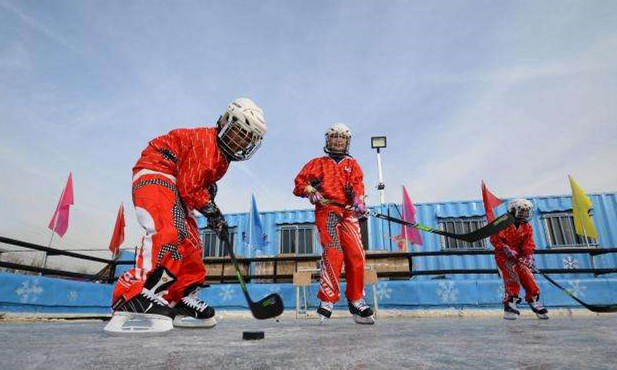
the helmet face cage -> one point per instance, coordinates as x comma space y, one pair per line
330, 143
237, 138
521, 209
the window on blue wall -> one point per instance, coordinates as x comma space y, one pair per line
461, 225
213, 246
297, 239
559, 228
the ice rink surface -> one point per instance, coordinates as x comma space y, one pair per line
393, 343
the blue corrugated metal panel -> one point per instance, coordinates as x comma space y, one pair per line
380, 232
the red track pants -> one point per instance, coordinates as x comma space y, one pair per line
342, 243
515, 274
171, 241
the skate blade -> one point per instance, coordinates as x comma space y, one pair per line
542, 316
323, 319
364, 320
510, 316
123, 323
191, 322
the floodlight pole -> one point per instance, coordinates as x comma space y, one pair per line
380, 186
378, 143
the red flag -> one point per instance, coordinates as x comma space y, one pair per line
118, 237
490, 201
408, 233
60, 220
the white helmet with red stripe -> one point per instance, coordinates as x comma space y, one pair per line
241, 129
338, 139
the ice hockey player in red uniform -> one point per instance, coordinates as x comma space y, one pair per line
514, 248
175, 176
337, 177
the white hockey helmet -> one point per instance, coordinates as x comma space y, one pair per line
241, 129
521, 209
338, 139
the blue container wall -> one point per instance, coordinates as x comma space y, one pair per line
605, 218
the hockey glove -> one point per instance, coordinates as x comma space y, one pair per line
528, 261
358, 207
216, 221
212, 190
313, 194
510, 253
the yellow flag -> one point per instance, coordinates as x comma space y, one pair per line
581, 205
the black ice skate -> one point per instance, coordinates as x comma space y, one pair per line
192, 312
538, 308
510, 310
361, 312
325, 311
147, 312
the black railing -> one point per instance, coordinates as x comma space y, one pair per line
109, 272
107, 278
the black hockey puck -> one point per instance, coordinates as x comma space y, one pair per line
253, 335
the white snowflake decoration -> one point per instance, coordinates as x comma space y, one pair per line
570, 263
383, 292
576, 288
73, 295
447, 292
227, 292
29, 293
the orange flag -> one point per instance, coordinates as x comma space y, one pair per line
118, 237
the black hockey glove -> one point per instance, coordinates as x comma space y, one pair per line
216, 221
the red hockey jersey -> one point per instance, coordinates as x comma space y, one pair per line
190, 155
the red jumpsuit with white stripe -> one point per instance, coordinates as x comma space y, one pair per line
515, 273
339, 231
170, 180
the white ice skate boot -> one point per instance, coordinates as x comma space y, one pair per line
510, 310
192, 312
147, 312
538, 308
361, 312
325, 311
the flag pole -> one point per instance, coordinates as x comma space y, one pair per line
403, 226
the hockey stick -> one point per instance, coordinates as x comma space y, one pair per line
269, 307
489, 229
591, 307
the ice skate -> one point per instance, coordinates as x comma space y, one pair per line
147, 312
361, 312
510, 310
192, 312
538, 308
325, 311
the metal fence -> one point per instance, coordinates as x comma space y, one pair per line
249, 265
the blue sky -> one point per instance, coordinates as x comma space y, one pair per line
519, 93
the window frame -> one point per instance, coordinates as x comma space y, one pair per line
461, 225
550, 220
220, 250
296, 228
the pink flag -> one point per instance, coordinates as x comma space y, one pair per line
60, 221
490, 201
118, 236
408, 233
